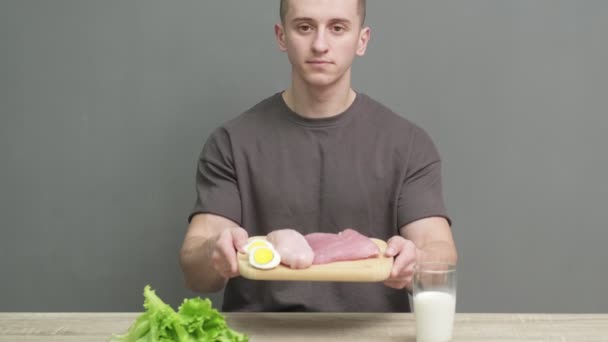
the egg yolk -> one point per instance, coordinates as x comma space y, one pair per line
263, 256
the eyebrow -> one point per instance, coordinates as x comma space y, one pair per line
332, 20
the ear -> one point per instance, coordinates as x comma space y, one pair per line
364, 37
279, 33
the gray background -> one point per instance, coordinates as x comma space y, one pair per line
105, 106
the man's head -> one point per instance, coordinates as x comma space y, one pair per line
322, 38
285, 7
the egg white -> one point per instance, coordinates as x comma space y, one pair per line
255, 242
274, 262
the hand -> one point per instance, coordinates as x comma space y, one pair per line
405, 253
224, 251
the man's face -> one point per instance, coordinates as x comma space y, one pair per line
321, 38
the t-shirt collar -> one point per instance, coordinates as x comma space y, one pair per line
335, 120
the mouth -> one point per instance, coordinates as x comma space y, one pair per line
318, 62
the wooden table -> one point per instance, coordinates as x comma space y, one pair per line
307, 327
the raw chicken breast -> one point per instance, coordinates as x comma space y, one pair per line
346, 245
292, 247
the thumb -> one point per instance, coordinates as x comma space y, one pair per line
239, 238
394, 246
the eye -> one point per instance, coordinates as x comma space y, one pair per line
338, 28
305, 28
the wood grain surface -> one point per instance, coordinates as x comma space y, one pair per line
365, 270
311, 327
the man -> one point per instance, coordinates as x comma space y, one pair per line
317, 157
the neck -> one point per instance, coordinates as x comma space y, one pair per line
319, 102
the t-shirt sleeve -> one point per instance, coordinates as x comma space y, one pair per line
217, 190
421, 193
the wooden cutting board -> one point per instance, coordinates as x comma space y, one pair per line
365, 270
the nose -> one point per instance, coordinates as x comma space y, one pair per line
320, 44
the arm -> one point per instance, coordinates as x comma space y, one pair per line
208, 256
428, 239
420, 239
433, 239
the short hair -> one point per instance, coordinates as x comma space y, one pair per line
285, 6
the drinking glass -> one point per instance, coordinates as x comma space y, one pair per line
434, 290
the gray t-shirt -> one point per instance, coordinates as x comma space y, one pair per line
366, 168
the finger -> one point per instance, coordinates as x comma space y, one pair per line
394, 245
227, 254
403, 277
405, 260
239, 238
396, 284
218, 258
216, 262
219, 264
400, 281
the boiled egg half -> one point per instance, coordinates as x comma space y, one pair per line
264, 257
257, 243
261, 254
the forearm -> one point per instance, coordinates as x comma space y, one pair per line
433, 239
197, 266
438, 251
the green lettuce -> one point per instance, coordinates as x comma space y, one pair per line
195, 321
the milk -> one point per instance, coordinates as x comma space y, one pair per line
434, 312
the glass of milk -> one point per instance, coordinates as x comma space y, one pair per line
434, 290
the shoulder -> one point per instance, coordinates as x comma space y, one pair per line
410, 140
387, 120
249, 122
263, 111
